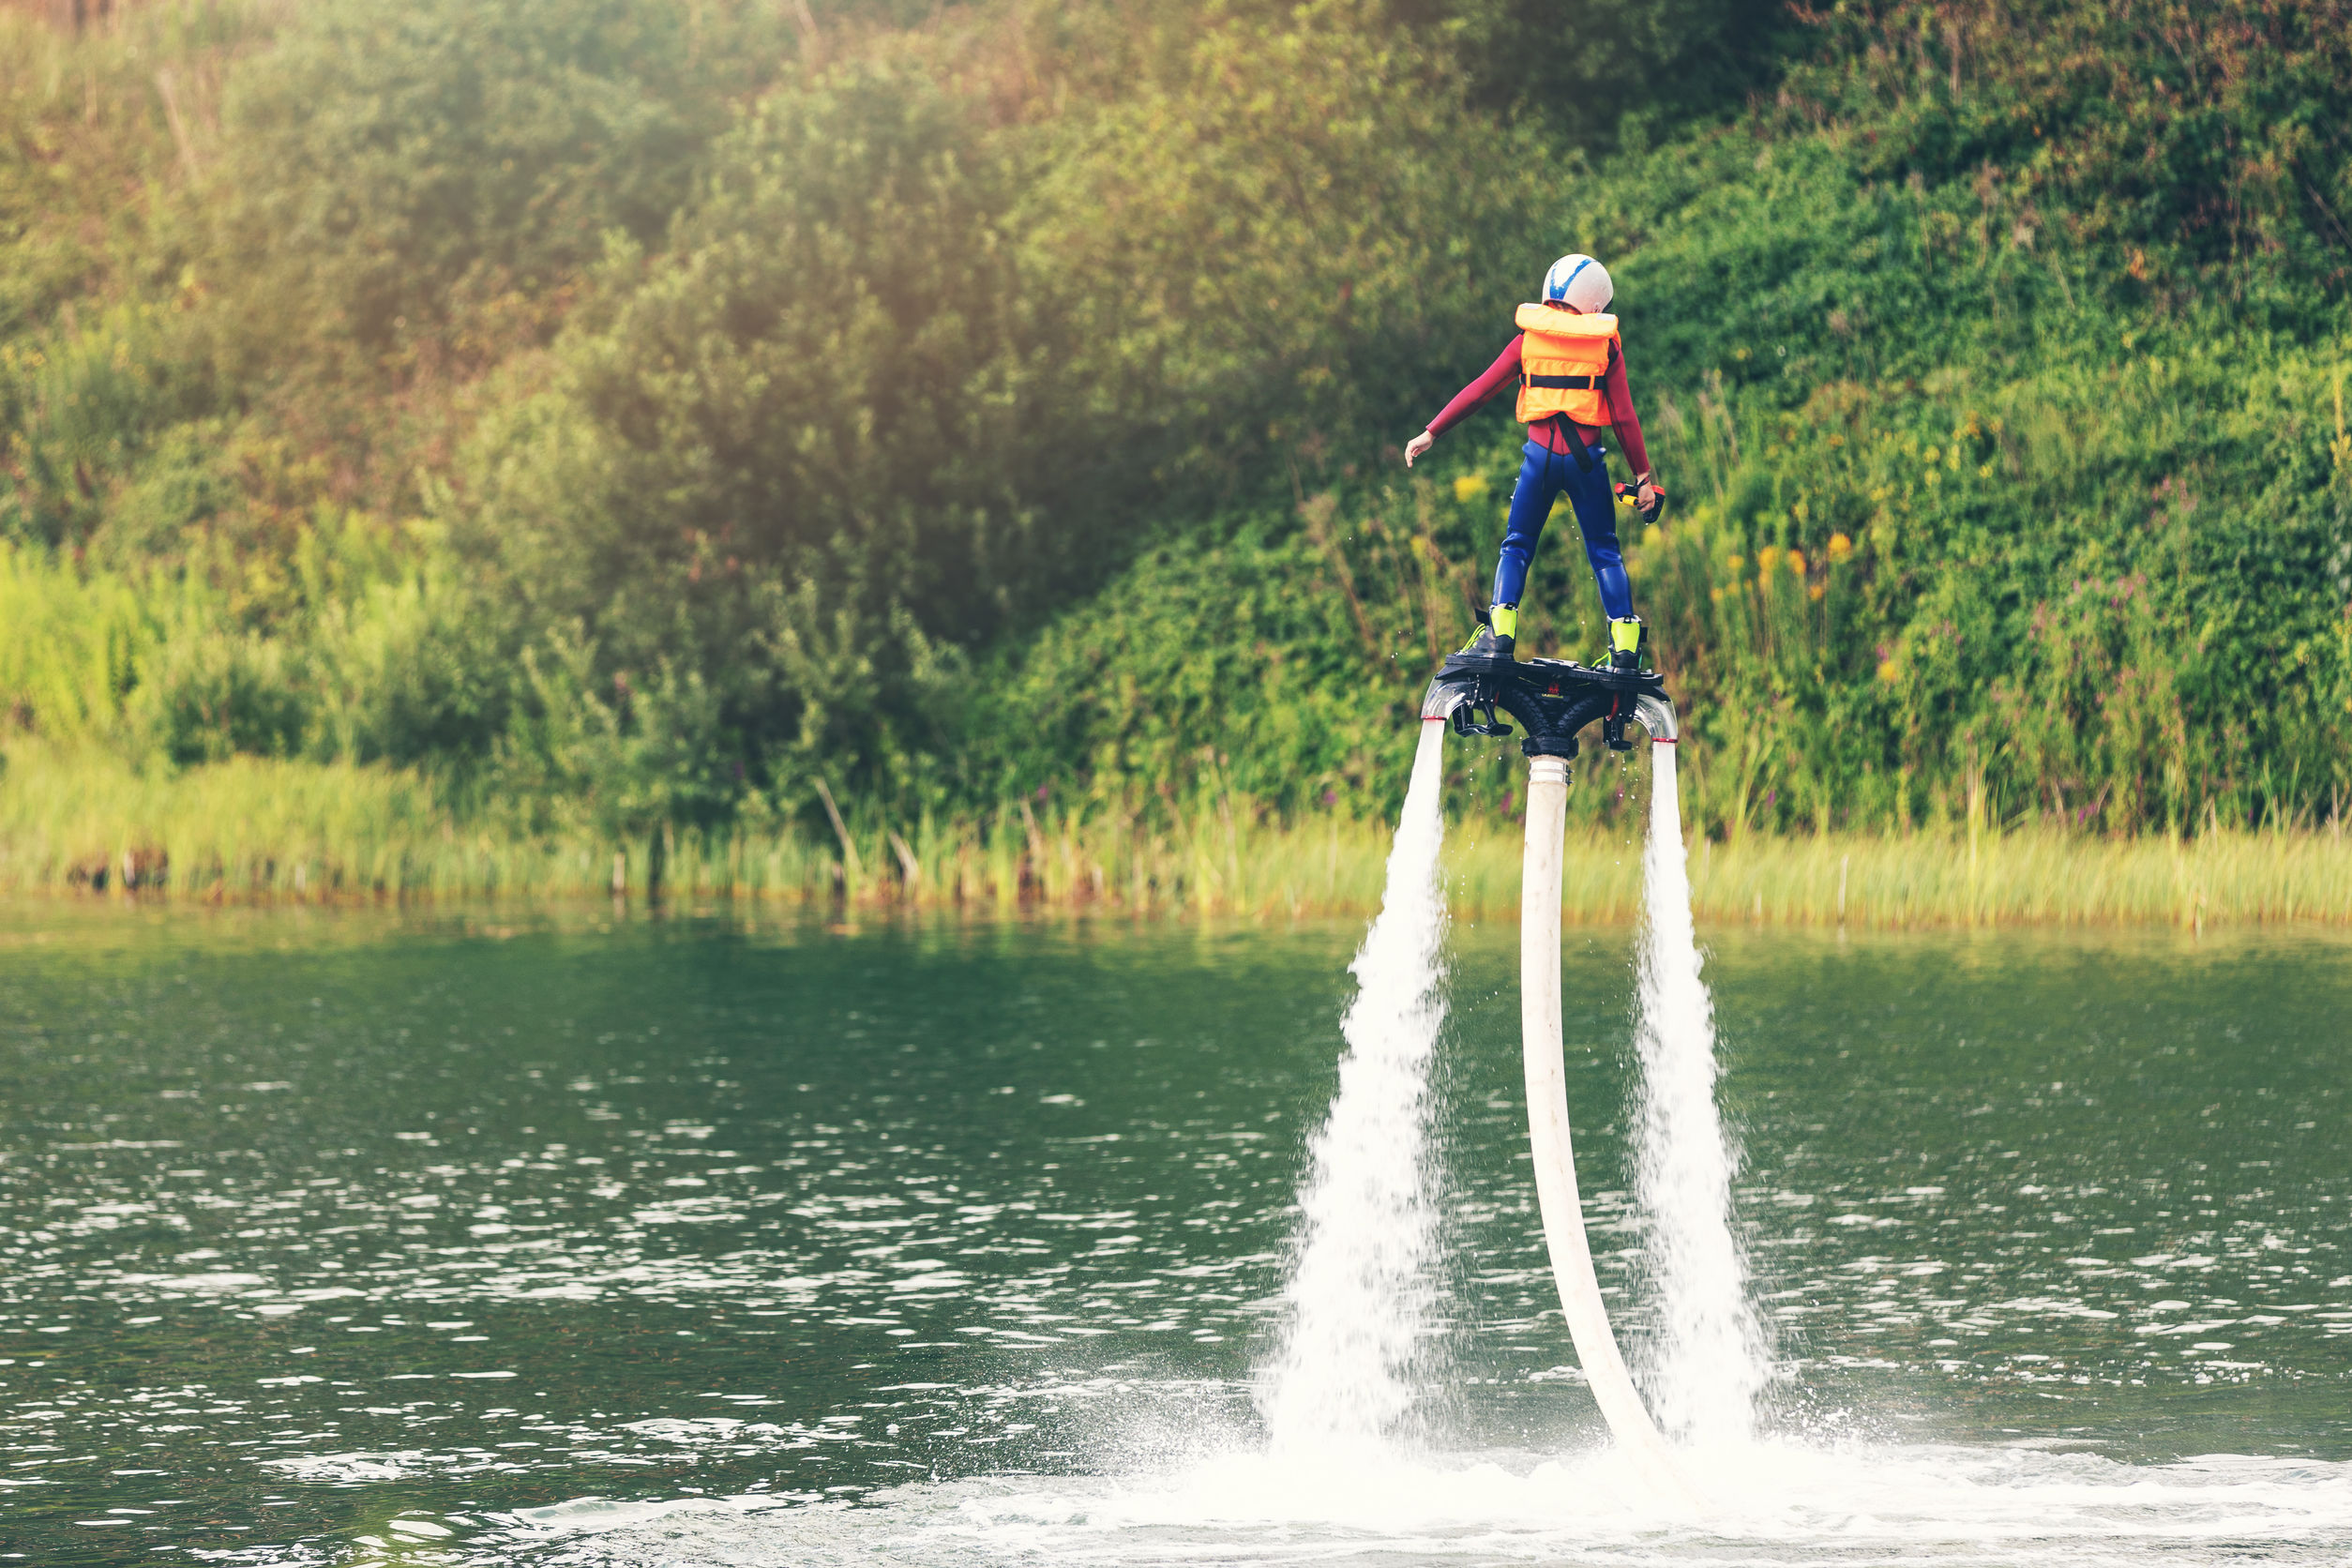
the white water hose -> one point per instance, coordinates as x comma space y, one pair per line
1580, 1301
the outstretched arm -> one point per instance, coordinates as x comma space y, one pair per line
1503, 372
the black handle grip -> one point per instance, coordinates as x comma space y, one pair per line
1633, 493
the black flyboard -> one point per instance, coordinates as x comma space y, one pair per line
1553, 700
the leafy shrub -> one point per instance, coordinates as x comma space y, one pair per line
394, 172
213, 694
80, 406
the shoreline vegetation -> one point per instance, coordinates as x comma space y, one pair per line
613, 419
251, 830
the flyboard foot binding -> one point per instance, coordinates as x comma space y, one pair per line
1552, 699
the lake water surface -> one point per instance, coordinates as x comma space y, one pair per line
345, 1237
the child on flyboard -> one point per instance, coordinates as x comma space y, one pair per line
1570, 371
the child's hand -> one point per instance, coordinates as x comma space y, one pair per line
1417, 445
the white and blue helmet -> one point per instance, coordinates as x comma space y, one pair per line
1581, 281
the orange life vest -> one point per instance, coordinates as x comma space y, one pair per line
1564, 363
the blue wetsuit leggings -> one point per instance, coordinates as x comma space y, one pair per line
1541, 478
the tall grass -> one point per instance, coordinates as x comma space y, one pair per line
83, 820
74, 647
2041, 876
79, 820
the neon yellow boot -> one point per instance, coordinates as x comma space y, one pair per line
1497, 634
1629, 640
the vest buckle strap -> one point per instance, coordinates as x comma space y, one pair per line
1569, 384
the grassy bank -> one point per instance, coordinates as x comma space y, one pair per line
86, 824
647, 409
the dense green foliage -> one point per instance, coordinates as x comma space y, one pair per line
1607, 73
2006, 424
636, 412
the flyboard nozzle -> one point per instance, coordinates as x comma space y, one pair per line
1657, 717
1551, 699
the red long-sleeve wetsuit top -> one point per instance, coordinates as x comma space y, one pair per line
1504, 372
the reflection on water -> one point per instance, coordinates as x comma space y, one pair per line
335, 1238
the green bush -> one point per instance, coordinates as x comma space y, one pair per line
406, 176
1269, 247
898, 390
807, 416
82, 406
1609, 70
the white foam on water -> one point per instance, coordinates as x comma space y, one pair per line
1778, 1504
1357, 1302
1706, 1361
